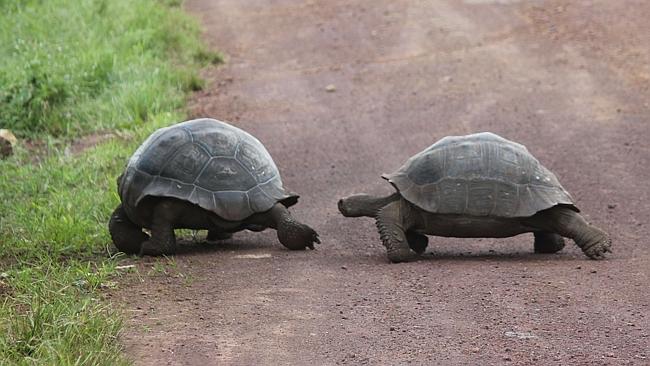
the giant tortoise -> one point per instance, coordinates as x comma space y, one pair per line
202, 174
478, 185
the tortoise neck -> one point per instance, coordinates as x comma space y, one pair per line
360, 205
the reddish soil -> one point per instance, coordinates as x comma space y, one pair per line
569, 79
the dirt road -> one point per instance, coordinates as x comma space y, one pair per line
569, 79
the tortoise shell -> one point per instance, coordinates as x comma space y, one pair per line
481, 174
209, 163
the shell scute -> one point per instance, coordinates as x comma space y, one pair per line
454, 195
232, 203
177, 189
218, 142
186, 163
428, 169
255, 160
480, 198
225, 174
155, 152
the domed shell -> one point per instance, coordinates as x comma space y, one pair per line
209, 163
481, 174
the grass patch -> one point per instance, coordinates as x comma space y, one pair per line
61, 205
71, 67
46, 327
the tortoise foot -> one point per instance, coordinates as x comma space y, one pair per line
153, 249
401, 255
598, 249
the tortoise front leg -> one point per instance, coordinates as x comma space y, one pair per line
593, 241
548, 243
163, 239
291, 233
390, 223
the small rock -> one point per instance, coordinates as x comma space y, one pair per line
128, 266
108, 285
7, 143
392, 329
330, 88
448, 79
611, 206
344, 267
610, 354
593, 271
507, 358
80, 283
253, 256
520, 335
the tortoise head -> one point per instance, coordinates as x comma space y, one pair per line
353, 206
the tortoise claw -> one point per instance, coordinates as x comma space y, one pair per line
597, 251
314, 239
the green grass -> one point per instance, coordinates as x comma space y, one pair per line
54, 316
71, 67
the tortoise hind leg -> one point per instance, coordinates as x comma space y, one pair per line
163, 239
127, 236
548, 243
417, 242
390, 224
